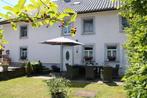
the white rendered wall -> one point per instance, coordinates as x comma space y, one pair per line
36, 50
107, 31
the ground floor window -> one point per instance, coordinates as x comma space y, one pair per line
23, 53
111, 52
88, 53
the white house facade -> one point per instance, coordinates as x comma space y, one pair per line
101, 32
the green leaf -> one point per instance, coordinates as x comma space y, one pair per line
63, 15
70, 11
14, 26
73, 17
4, 16
21, 3
1, 31
9, 8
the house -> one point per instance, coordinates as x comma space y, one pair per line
99, 27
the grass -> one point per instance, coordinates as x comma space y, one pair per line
36, 88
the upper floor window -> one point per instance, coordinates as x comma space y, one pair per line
23, 31
67, 29
111, 52
124, 23
88, 26
23, 53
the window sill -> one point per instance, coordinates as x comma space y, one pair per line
112, 61
23, 60
88, 33
66, 34
24, 37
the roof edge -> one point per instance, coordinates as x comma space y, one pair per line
80, 12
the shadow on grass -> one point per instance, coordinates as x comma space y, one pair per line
111, 83
78, 84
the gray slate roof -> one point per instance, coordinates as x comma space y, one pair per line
86, 6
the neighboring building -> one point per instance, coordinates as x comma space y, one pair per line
99, 27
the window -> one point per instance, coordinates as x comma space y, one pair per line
23, 31
23, 53
124, 23
88, 54
67, 29
111, 52
88, 26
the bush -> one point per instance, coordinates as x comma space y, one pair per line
135, 11
136, 81
58, 86
28, 69
33, 67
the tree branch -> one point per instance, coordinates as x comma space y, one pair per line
44, 4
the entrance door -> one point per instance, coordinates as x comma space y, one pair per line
67, 56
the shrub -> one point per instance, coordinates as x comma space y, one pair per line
33, 67
135, 11
58, 86
136, 81
28, 69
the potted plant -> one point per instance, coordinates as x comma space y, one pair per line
58, 87
112, 58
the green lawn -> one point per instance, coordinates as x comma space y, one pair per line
36, 88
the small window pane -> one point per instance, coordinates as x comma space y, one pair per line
90, 53
114, 53
108, 53
86, 53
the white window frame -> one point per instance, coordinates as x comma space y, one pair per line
68, 29
88, 18
121, 25
93, 54
24, 52
21, 37
117, 52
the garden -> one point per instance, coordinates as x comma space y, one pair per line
28, 87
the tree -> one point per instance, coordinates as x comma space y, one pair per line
135, 11
37, 13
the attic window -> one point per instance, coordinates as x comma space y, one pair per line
76, 3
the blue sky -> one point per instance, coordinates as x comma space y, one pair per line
7, 2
